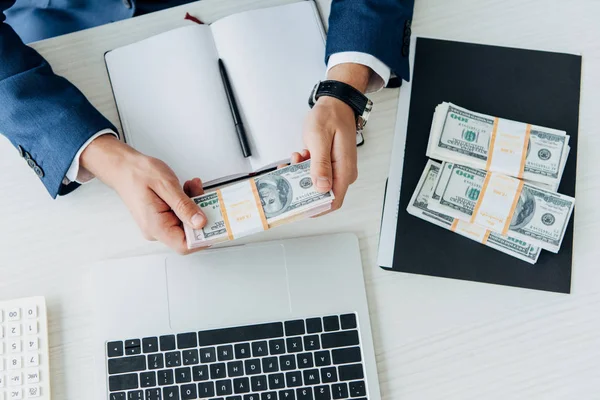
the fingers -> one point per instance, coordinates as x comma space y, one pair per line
185, 208
173, 236
345, 170
193, 188
321, 172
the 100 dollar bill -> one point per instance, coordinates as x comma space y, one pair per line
540, 217
286, 195
419, 207
463, 136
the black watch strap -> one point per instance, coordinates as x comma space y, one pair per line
342, 91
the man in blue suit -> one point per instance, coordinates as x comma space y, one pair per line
66, 141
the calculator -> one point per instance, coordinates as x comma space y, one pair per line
24, 366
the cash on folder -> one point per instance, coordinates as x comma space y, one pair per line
540, 87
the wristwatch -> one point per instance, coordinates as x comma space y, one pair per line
360, 104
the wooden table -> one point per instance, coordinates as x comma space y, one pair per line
434, 338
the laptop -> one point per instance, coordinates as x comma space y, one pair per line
282, 320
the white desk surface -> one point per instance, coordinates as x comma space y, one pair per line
434, 338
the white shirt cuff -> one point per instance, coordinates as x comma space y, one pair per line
82, 175
382, 72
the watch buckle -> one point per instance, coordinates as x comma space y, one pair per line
364, 117
313, 95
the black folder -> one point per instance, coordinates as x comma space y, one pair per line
541, 88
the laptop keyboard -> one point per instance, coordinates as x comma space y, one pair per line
306, 359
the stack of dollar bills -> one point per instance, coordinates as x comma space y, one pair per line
284, 195
523, 214
463, 137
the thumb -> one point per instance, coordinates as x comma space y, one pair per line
320, 164
185, 208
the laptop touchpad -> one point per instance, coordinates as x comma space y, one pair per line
227, 287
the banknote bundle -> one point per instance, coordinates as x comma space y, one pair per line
263, 202
533, 153
504, 205
423, 197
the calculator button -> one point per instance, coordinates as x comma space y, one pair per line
1, 332
14, 362
1, 348
32, 360
1, 364
31, 328
15, 394
2, 381
33, 376
15, 379
33, 344
14, 314
14, 330
14, 346
33, 392
31, 312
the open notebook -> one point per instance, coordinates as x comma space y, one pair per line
173, 106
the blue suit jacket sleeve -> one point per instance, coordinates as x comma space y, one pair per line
43, 113
381, 28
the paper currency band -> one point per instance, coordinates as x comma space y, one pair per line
497, 202
508, 147
472, 231
242, 210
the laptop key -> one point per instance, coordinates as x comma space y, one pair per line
288, 394
293, 328
171, 393
173, 359
312, 342
190, 357
167, 343
118, 396
126, 364
329, 375
322, 392
259, 383
183, 375
148, 379
252, 396
241, 334
348, 321
133, 347
252, 366
187, 340
200, 373
224, 387
189, 392
114, 349
276, 347
304, 394
153, 394
346, 356
242, 350
331, 323
136, 395
165, 377
208, 355
156, 361
235, 368
314, 325
351, 372
276, 381
233, 398
322, 358
293, 379
241, 385
357, 389
206, 390
260, 349
294, 345
305, 360
311, 377
339, 391
123, 382
225, 353
268, 396
150, 344
339, 339
270, 364
218, 371
287, 363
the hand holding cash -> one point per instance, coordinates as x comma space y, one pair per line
497, 182
257, 204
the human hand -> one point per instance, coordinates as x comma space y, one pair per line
149, 189
330, 136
